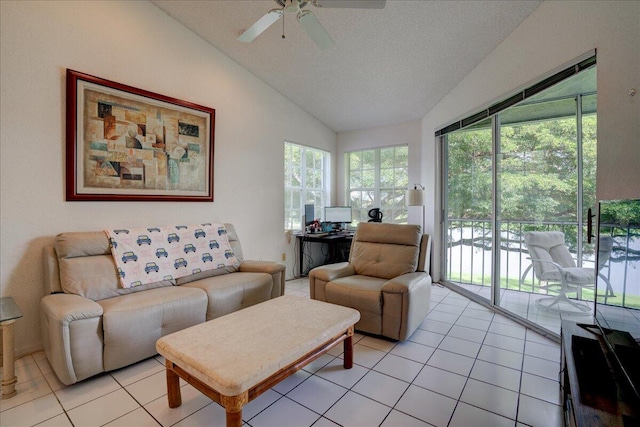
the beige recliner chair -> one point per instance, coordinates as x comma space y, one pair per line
386, 279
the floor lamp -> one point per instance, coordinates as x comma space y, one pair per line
415, 197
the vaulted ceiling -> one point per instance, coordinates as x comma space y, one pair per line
388, 65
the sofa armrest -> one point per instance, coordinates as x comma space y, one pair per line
65, 308
320, 276
71, 328
276, 270
406, 282
261, 266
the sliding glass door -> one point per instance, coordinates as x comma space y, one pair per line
530, 167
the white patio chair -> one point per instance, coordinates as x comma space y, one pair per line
553, 264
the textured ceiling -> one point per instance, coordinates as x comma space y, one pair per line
387, 66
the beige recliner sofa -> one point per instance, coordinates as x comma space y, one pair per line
91, 325
386, 279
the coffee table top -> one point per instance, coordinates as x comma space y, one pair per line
233, 353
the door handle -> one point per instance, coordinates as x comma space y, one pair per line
590, 217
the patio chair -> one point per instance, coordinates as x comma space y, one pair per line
553, 264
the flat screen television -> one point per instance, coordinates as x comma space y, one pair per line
617, 308
309, 214
338, 214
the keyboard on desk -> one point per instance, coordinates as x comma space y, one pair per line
338, 235
316, 234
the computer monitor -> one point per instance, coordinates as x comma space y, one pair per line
309, 214
337, 214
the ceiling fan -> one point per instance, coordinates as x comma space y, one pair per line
307, 19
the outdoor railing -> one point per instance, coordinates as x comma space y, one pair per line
469, 256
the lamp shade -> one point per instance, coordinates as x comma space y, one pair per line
414, 197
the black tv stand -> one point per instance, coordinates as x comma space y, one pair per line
594, 391
596, 378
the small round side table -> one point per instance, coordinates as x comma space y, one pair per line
9, 312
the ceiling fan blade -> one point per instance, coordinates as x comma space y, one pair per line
354, 4
261, 24
314, 28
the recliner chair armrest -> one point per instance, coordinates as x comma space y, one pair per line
404, 283
330, 272
276, 270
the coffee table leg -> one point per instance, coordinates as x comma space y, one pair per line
233, 407
173, 386
234, 419
348, 352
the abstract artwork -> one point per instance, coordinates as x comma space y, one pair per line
125, 143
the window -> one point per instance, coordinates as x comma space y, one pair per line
306, 181
378, 178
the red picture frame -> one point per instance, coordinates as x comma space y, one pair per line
129, 144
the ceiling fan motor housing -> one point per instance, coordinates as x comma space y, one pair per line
293, 6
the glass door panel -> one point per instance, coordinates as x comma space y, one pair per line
469, 193
538, 191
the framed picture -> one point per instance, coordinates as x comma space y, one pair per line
128, 144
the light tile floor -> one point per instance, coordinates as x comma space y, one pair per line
464, 366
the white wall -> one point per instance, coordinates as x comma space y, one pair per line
384, 136
553, 35
136, 44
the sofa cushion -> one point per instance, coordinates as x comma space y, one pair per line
82, 243
364, 293
96, 278
230, 292
207, 273
133, 323
234, 241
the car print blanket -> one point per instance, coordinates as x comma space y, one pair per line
147, 255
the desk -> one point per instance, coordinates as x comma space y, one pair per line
9, 312
334, 241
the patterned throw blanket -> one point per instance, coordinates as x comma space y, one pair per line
147, 255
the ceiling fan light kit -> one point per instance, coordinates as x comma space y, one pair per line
306, 18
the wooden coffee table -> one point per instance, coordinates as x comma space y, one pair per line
235, 358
